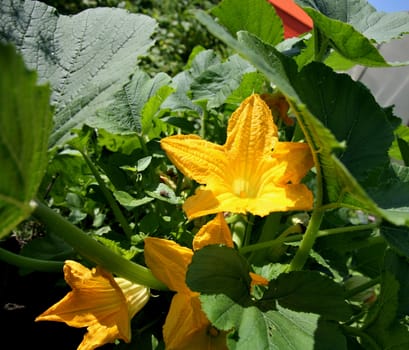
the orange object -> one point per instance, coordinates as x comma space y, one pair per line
295, 20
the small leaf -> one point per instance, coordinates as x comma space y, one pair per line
218, 269
165, 193
130, 202
25, 124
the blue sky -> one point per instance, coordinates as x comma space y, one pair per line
390, 5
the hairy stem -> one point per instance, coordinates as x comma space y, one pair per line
94, 251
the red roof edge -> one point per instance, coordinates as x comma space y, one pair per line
295, 20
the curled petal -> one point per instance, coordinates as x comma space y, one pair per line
168, 262
96, 302
215, 231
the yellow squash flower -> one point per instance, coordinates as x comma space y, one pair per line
98, 301
186, 326
252, 172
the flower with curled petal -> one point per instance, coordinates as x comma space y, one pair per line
186, 326
98, 301
252, 172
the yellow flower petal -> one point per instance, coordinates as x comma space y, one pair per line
168, 262
196, 158
187, 327
215, 231
136, 295
252, 172
271, 198
297, 158
98, 303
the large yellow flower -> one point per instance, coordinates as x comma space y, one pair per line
252, 172
98, 301
186, 326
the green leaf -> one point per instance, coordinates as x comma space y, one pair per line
165, 193
86, 57
385, 323
49, 247
25, 124
399, 267
207, 79
255, 329
404, 150
220, 80
255, 16
309, 291
129, 202
350, 112
377, 26
219, 269
251, 82
124, 112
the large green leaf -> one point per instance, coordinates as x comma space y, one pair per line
124, 113
209, 79
221, 270
348, 109
87, 57
377, 26
308, 291
351, 28
255, 16
347, 41
25, 124
304, 90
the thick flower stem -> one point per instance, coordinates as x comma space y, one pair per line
94, 251
307, 241
295, 237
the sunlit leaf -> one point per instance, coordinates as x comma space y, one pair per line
379, 26
86, 57
124, 113
25, 124
255, 16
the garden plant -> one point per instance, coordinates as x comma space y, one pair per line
248, 196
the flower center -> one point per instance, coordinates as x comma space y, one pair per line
243, 188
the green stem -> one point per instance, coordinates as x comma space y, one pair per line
288, 236
307, 241
320, 45
333, 231
238, 224
203, 123
30, 263
109, 197
249, 228
94, 251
